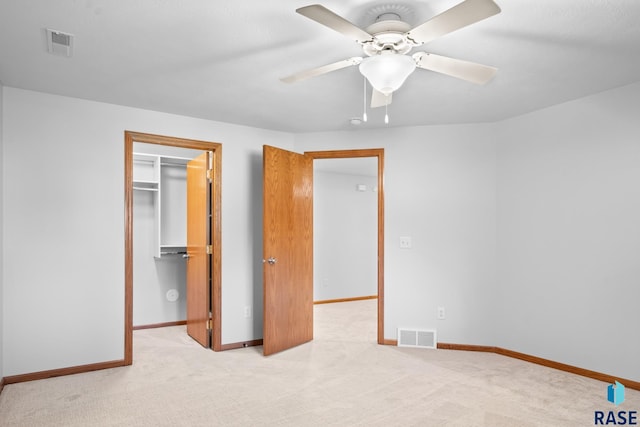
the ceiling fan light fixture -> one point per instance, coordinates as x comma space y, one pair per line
387, 72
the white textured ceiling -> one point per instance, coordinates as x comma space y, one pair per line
223, 60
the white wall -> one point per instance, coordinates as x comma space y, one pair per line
1, 234
440, 190
345, 235
569, 233
63, 198
525, 230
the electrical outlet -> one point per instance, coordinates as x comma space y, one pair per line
441, 313
247, 311
405, 242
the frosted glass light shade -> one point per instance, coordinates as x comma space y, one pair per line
387, 72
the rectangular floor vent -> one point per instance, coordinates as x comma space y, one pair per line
417, 338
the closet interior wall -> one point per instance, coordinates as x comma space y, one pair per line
159, 233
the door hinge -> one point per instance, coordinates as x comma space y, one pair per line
210, 175
209, 249
209, 324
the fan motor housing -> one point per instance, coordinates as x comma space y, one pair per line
388, 35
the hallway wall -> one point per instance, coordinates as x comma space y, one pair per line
345, 235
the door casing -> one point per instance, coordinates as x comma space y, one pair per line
216, 230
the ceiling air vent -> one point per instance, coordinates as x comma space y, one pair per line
59, 43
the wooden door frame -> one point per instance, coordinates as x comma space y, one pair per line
379, 154
216, 227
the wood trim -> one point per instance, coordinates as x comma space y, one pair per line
63, 371
331, 301
466, 347
160, 325
345, 154
216, 261
568, 368
242, 344
444, 346
543, 362
128, 247
381, 246
216, 228
379, 153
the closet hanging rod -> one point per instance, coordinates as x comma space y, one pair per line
162, 163
172, 253
174, 164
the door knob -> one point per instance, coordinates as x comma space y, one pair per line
186, 256
272, 260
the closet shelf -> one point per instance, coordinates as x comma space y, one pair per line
173, 250
149, 175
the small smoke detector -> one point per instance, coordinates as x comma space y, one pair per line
59, 43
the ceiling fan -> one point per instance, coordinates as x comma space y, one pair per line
387, 43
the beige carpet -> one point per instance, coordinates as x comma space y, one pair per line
342, 378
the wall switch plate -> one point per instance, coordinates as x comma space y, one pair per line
405, 242
441, 313
247, 311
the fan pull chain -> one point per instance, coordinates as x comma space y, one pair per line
386, 111
364, 114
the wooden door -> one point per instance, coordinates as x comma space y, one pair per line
198, 260
287, 249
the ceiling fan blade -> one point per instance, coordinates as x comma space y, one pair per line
459, 16
379, 99
307, 74
324, 16
469, 71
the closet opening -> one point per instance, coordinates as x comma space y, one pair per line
172, 236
